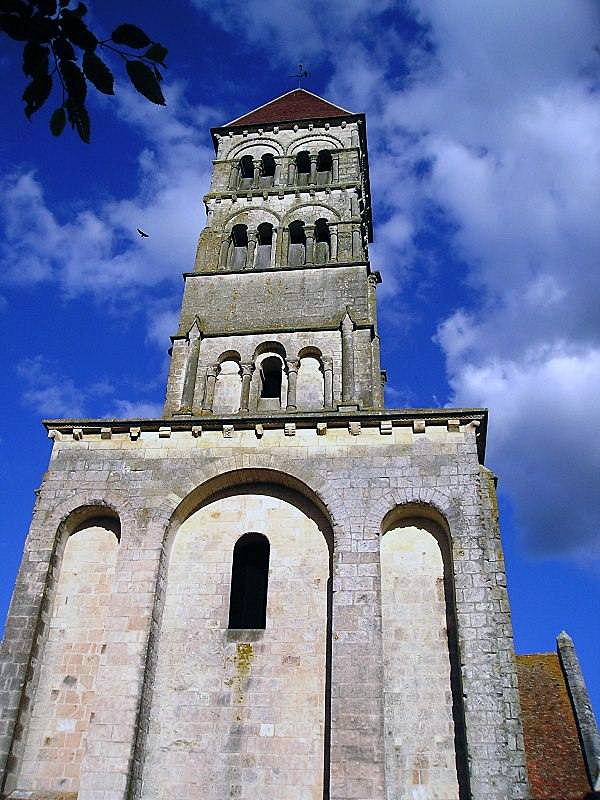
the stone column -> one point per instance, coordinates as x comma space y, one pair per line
293, 364
328, 380
209, 392
291, 175
279, 163
274, 242
376, 373
335, 167
313, 169
234, 176
373, 279
247, 370
309, 231
333, 236
356, 243
584, 713
347, 359
256, 165
251, 249
284, 246
224, 252
189, 383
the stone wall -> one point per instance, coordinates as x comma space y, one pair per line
230, 707
352, 472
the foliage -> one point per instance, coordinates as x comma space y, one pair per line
60, 48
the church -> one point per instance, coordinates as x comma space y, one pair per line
281, 589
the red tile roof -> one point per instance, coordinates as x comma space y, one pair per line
554, 758
295, 105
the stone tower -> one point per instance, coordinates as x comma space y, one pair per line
279, 590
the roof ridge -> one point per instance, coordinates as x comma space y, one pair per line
292, 93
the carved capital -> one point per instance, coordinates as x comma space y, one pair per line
293, 364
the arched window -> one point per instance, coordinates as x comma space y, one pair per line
238, 247
270, 375
303, 168
297, 248
249, 581
267, 170
264, 244
246, 172
324, 167
322, 242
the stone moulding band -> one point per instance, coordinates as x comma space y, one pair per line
417, 419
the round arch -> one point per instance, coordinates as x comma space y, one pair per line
256, 148
332, 215
319, 142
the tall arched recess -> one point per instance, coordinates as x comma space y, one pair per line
236, 711
425, 747
64, 702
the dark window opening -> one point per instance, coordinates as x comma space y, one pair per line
267, 170
239, 246
322, 242
303, 167
271, 375
297, 248
264, 244
324, 167
246, 172
249, 582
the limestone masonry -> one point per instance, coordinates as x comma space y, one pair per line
280, 590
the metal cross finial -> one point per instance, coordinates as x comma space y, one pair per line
302, 73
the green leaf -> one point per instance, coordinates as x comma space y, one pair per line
58, 121
36, 94
156, 53
145, 82
98, 73
82, 124
74, 82
130, 36
35, 59
77, 31
64, 50
16, 27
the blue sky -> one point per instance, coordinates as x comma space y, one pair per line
484, 133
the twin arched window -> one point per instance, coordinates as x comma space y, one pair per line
309, 249
249, 582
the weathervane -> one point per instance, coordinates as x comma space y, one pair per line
302, 73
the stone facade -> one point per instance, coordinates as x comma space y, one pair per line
385, 669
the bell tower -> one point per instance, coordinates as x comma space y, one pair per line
279, 314
278, 589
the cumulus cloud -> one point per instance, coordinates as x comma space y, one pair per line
99, 250
52, 394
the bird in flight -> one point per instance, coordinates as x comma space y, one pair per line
142, 234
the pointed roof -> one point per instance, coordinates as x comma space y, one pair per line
295, 105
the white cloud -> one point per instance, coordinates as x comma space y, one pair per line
52, 394
99, 250
498, 105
